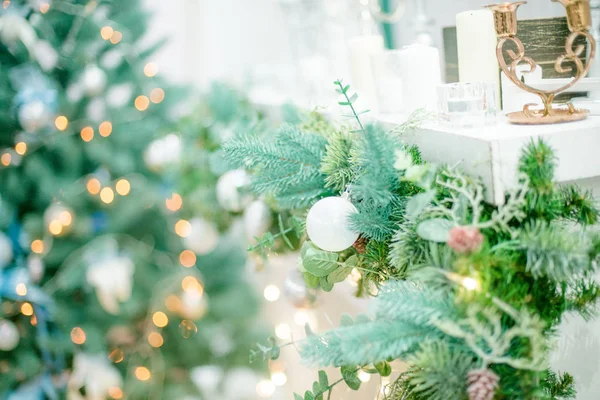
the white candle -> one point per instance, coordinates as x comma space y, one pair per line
421, 74
476, 42
362, 48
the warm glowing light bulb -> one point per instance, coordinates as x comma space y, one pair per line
183, 228
191, 284
470, 284
265, 388
123, 187
44, 7
78, 335
65, 218
283, 331
187, 258
160, 319
141, 103
364, 376
272, 293
155, 339
116, 356
93, 186
61, 122
6, 4
115, 393
173, 303
142, 373
87, 134
150, 69
116, 37
33, 320
107, 195
55, 227
21, 289
27, 309
301, 318
157, 95
6, 158
279, 378
21, 148
105, 129
174, 203
37, 246
106, 32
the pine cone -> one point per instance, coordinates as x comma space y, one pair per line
361, 244
482, 384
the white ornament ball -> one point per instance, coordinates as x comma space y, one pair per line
207, 378
203, 236
36, 268
193, 305
9, 335
6, 250
297, 292
257, 220
163, 152
59, 219
33, 116
328, 225
232, 190
94, 80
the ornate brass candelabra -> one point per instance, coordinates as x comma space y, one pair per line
579, 21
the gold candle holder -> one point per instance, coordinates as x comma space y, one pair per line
579, 21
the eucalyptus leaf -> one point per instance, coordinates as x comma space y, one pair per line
326, 285
417, 204
311, 280
339, 275
323, 381
435, 230
384, 368
350, 375
297, 397
319, 263
308, 396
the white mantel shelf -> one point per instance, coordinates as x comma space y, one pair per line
493, 152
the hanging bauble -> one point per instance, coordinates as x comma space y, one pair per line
193, 304
46, 55
245, 384
297, 292
111, 274
58, 219
9, 335
328, 225
6, 250
93, 80
207, 379
232, 190
257, 220
34, 116
95, 375
163, 152
203, 236
36, 268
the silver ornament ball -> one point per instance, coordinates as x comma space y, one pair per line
34, 116
9, 335
328, 225
233, 192
94, 80
297, 292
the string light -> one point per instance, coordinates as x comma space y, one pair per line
265, 388
279, 378
272, 293
116, 37
123, 187
142, 103
470, 284
283, 331
21, 148
160, 319
37, 246
93, 186
155, 339
87, 134
150, 69
65, 218
142, 373
105, 129
78, 335
115, 392
6, 159
183, 228
173, 303
33, 320
116, 356
44, 7
187, 258
27, 309
107, 195
106, 32
157, 95
55, 227
61, 122
301, 318
174, 203
189, 283
364, 376
21, 289
6, 4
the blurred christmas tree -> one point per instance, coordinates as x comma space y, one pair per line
98, 298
